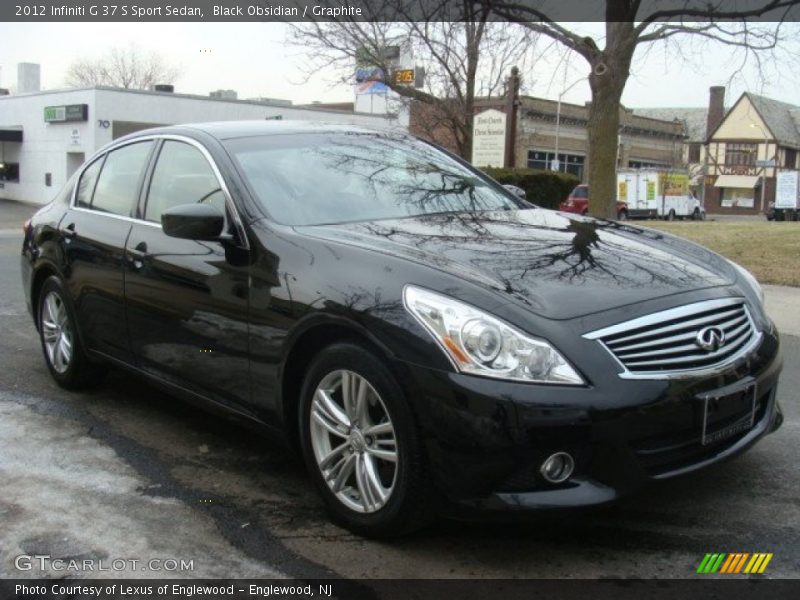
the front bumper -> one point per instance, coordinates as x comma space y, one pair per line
486, 439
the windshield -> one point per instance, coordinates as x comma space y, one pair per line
314, 179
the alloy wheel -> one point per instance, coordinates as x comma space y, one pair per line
56, 332
354, 441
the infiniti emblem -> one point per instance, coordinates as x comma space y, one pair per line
710, 338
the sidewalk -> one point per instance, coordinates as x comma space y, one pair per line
783, 307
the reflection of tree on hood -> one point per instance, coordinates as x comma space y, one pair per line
585, 238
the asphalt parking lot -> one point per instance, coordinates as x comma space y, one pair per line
127, 472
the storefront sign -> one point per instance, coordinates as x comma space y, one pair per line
68, 113
489, 139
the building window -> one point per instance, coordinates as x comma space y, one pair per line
740, 155
738, 197
642, 164
567, 163
790, 158
694, 152
9, 172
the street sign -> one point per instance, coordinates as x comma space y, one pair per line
555, 164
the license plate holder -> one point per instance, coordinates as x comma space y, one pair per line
740, 397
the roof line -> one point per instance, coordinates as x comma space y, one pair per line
104, 88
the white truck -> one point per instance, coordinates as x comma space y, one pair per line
657, 193
787, 196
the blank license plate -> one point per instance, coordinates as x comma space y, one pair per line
728, 411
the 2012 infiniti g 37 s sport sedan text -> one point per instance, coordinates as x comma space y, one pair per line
428, 341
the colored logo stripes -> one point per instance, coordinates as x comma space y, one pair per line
737, 562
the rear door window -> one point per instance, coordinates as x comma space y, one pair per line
83, 197
118, 184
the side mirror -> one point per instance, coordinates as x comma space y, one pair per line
517, 191
193, 222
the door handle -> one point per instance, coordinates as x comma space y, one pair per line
69, 231
139, 251
137, 254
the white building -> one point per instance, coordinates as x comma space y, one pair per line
45, 136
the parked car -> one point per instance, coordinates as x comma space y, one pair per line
578, 202
430, 343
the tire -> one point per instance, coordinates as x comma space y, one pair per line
64, 355
622, 215
401, 502
696, 214
671, 215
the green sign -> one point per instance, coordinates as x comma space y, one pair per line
68, 113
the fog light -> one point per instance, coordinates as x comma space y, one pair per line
557, 467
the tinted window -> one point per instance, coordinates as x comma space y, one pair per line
580, 192
65, 195
308, 179
182, 176
83, 197
117, 185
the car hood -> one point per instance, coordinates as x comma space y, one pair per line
560, 266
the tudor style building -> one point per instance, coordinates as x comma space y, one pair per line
756, 138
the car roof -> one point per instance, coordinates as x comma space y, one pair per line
224, 130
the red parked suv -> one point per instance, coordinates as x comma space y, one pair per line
578, 202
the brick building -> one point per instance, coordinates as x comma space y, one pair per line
543, 127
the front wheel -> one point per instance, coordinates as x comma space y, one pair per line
360, 444
68, 363
622, 215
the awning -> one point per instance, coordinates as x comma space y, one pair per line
736, 181
10, 134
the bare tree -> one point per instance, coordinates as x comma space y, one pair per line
463, 60
129, 68
630, 25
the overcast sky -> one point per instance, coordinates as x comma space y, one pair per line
255, 60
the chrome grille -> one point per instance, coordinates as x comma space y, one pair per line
666, 343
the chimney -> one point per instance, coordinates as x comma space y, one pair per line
28, 78
716, 108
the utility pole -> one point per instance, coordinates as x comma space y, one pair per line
512, 102
555, 164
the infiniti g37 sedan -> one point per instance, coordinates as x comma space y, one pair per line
428, 341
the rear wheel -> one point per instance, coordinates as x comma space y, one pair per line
68, 363
360, 444
671, 215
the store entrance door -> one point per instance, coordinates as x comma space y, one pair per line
74, 160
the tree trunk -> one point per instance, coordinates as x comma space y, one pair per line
603, 132
610, 71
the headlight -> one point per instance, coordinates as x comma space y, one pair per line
752, 282
479, 344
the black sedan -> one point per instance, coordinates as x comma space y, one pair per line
430, 342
